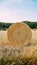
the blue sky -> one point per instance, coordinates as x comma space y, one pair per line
18, 10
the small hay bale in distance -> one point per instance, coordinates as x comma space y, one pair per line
18, 34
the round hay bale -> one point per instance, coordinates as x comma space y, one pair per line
19, 34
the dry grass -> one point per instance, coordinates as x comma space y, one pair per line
3, 37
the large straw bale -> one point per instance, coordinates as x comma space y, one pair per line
19, 34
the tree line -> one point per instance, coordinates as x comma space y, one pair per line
4, 26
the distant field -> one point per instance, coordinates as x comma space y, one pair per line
34, 34
3, 37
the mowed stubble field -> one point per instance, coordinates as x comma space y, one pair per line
28, 51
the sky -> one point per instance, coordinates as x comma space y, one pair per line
18, 10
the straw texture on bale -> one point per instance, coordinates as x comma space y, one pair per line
18, 34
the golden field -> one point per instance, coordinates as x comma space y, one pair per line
28, 52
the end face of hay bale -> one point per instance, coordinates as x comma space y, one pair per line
18, 34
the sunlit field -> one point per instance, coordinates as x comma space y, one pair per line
28, 56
